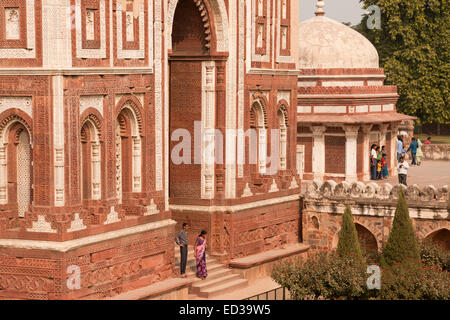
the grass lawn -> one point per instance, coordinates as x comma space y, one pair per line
434, 139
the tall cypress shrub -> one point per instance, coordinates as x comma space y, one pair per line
402, 242
348, 244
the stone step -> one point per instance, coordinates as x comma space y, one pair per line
203, 285
191, 271
223, 288
191, 261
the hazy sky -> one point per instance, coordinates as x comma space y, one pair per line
340, 10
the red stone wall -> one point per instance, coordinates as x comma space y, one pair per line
185, 109
335, 154
107, 268
241, 233
320, 230
40, 127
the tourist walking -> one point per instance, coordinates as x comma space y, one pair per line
182, 241
402, 171
419, 153
200, 255
413, 147
373, 162
400, 149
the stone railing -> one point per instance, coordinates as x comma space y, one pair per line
436, 151
372, 191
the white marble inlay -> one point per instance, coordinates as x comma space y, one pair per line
130, 54
95, 102
375, 83
342, 83
307, 83
113, 216
12, 23
362, 108
330, 109
304, 109
41, 226
375, 108
151, 209
77, 224
91, 53
388, 107
28, 52
22, 103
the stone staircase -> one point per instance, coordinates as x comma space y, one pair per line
220, 279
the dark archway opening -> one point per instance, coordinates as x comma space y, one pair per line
190, 48
368, 243
440, 237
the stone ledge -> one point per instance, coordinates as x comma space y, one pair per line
385, 193
234, 208
66, 246
268, 256
156, 289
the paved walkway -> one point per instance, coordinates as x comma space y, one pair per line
429, 172
436, 173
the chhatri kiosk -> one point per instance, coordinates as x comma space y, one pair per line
343, 106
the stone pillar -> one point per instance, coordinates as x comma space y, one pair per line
351, 150
366, 151
383, 133
318, 156
208, 129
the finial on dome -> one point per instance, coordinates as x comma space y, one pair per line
320, 4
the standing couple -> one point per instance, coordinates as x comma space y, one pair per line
199, 252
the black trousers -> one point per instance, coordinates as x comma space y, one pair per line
402, 179
183, 256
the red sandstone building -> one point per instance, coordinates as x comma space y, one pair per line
92, 93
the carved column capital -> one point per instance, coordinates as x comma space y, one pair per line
366, 128
351, 131
318, 130
383, 127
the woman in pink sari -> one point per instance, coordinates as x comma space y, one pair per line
200, 255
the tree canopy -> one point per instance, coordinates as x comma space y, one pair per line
402, 242
413, 44
348, 244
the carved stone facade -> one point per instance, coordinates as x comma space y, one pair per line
147, 113
86, 138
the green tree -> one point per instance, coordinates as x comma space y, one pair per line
348, 244
413, 44
402, 243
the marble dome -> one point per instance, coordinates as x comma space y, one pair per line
325, 43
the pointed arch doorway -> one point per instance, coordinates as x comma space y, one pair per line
196, 93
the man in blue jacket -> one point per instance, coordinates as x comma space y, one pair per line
413, 147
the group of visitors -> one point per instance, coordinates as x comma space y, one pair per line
378, 159
181, 240
378, 163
